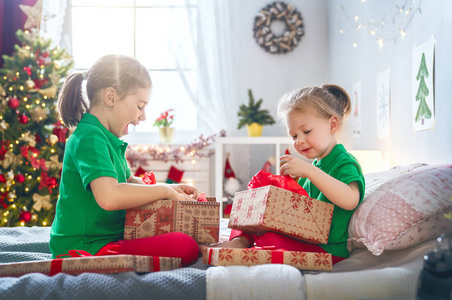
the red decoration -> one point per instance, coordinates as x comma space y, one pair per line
13, 102
174, 175
28, 70
40, 82
140, 172
286, 182
2, 200
3, 151
23, 119
2, 178
149, 178
25, 216
60, 133
20, 178
228, 172
48, 182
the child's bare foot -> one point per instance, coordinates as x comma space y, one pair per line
238, 242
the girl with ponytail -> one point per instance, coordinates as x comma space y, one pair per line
96, 184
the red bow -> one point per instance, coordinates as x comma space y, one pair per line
149, 178
48, 182
38, 163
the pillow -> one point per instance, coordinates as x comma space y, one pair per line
404, 211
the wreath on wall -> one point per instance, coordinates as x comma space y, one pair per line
294, 27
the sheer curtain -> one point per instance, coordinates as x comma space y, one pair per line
214, 96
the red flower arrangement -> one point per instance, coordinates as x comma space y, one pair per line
165, 119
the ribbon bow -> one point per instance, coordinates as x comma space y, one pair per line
9, 159
41, 202
53, 163
38, 163
28, 137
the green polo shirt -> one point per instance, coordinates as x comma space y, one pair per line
80, 223
343, 166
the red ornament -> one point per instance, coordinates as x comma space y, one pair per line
25, 216
20, 178
13, 102
23, 119
2, 178
28, 70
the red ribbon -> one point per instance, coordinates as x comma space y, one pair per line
57, 264
277, 254
156, 260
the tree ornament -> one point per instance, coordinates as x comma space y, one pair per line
23, 119
20, 178
25, 216
33, 13
13, 102
38, 114
23, 54
30, 84
53, 139
49, 92
56, 65
3, 125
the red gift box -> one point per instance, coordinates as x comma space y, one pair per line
251, 256
271, 208
92, 264
200, 220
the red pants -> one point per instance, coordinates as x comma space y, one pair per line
173, 244
281, 242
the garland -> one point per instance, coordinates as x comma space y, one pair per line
195, 149
292, 34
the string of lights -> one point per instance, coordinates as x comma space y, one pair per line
392, 26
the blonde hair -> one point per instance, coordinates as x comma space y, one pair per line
125, 74
328, 100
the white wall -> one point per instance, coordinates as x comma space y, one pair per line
271, 75
348, 65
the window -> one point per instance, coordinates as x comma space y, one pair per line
159, 33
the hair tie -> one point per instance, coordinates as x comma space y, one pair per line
85, 75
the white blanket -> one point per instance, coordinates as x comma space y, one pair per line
256, 282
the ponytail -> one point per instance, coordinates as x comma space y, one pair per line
71, 104
344, 106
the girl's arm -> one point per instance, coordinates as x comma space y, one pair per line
135, 179
111, 195
343, 195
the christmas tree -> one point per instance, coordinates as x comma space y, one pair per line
32, 134
423, 111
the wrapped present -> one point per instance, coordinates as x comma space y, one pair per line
271, 208
198, 219
92, 264
313, 261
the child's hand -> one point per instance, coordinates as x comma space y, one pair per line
293, 166
186, 191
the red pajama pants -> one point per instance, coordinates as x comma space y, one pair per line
173, 244
281, 242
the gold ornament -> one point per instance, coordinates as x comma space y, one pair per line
41, 202
3, 125
30, 138
53, 163
38, 114
34, 218
33, 14
54, 78
30, 84
2, 91
23, 53
49, 92
10, 158
56, 65
53, 139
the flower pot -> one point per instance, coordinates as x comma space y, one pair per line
166, 135
254, 129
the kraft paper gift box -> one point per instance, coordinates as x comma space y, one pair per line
312, 261
271, 208
92, 264
200, 220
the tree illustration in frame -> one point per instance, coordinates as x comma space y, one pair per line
423, 111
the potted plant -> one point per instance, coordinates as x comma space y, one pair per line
163, 123
253, 116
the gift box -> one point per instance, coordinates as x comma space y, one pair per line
92, 264
200, 220
271, 208
313, 261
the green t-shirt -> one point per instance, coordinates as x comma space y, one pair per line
80, 223
344, 167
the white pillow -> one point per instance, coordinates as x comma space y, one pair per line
404, 211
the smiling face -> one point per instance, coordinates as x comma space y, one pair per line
313, 136
128, 111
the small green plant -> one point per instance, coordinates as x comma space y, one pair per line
253, 113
